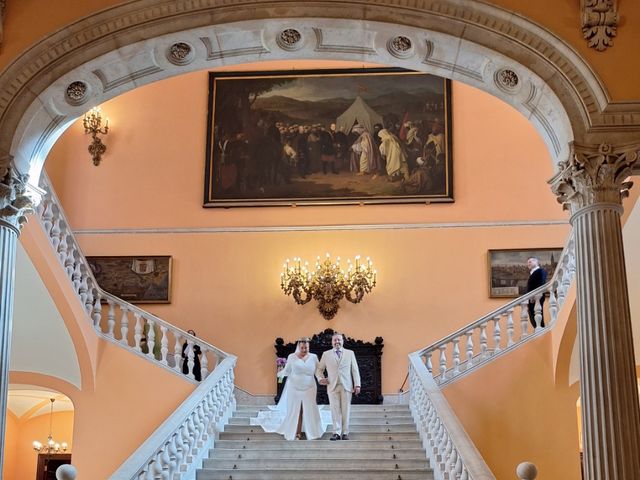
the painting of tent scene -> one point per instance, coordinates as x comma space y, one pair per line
508, 271
328, 137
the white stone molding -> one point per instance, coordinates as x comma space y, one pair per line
599, 22
118, 49
15, 203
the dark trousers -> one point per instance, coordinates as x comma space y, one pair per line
532, 312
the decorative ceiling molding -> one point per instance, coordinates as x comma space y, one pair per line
116, 50
599, 22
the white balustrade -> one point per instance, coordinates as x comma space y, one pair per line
164, 342
489, 329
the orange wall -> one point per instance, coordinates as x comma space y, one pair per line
152, 177
22, 464
514, 413
9, 466
29, 21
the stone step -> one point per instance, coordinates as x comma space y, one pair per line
354, 421
319, 451
353, 428
281, 444
354, 408
354, 414
368, 474
255, 436
317, 464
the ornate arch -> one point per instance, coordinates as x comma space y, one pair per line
141, 41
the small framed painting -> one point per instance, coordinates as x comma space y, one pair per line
508, 272
145, 279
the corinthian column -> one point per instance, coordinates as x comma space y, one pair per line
592, 184
14, 206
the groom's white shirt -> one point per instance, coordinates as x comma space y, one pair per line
344, 369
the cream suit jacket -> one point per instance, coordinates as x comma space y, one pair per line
346, 369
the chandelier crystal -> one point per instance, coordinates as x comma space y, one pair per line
328, 283
51, 446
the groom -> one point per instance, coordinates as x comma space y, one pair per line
343, 380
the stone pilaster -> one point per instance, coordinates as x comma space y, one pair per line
14, 206
592, 184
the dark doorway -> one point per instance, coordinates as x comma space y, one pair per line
48, 463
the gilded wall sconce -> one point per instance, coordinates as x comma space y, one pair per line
92, 122
328, 283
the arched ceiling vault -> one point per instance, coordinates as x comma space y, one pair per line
141, 41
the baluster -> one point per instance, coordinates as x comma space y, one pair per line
553, 303
177, 352
164, 345
77, 275
69, 263
510, 327
63, 247
204, 364
97, 312
483, 340
189, 358
88, 302
524, 319
47, 216
537, 313
157, 466
137, 332
175, 453
443, 363
464, 475
561, 290
496, 334
124, 326
446, 459
151, 337
84, 287
111, 318
453, 461
429, 364
469, 335
456, 356
456, 473
165, 459
55, 233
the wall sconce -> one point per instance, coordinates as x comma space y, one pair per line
328, 283
92, 122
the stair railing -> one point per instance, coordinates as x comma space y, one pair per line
176, 449
114, 319
450, 451
502, 330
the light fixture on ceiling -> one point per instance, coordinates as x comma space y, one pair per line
92, 123
328, 283
51, 446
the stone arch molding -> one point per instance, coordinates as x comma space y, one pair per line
142, 41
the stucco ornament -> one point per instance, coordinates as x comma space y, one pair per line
76, 93
289, 39
15, 204
180, 53
594, 174
599, 22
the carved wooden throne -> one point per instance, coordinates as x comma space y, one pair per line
368, 356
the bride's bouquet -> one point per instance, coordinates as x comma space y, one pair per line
280, 364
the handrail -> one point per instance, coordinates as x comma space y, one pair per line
184, 439
165, 343
451, 452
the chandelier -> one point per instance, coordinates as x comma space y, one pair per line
51, 446
328, 283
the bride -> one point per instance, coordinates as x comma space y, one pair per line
297, 415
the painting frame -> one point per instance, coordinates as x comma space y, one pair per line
508, 272
224, 187
135, 279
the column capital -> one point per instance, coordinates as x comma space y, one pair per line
594, 174
15, 204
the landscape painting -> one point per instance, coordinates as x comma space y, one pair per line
328, 137
508, 272
145, 279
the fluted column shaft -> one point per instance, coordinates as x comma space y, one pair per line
8, 240
592, 183
14, 206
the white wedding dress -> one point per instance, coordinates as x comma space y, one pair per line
299, 391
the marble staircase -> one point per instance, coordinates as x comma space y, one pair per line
383, 445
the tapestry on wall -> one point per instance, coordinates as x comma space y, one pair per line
328, 137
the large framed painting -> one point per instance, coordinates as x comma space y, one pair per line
508, 271
145, 279
328, 137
